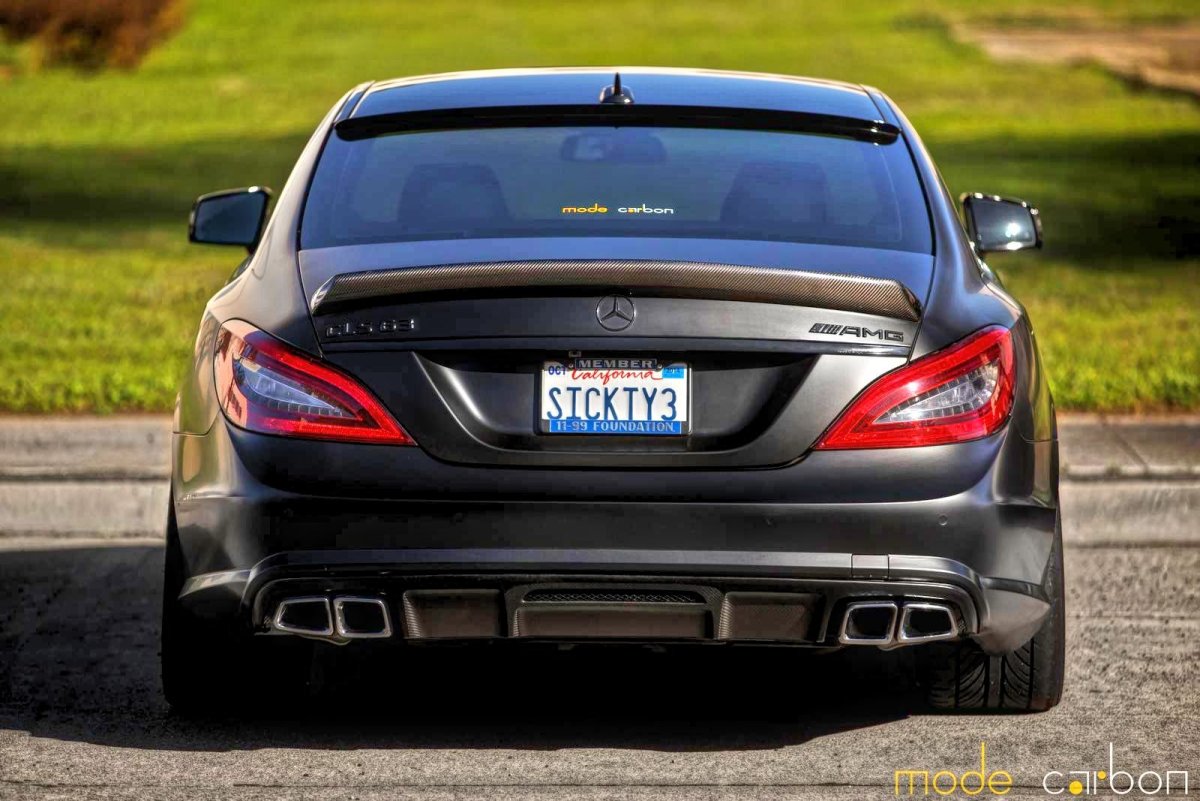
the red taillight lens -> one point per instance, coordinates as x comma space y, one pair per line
263, 385
960, 393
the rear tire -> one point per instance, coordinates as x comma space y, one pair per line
213, 667
961, 676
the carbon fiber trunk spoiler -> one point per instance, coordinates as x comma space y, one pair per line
685, 279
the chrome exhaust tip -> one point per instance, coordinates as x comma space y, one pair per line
308, 617
358, 618
869, 623
928, 622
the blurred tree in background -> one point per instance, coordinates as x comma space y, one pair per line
89, 34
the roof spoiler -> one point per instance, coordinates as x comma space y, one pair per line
854, 293
669, 116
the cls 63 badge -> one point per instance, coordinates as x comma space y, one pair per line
860, 331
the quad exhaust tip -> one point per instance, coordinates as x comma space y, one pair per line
869, 623
888, 625
340, 619
308, 617
358, 618
927, 622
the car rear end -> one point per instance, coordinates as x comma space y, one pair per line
650, 372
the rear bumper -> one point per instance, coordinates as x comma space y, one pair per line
971, 525
999, 614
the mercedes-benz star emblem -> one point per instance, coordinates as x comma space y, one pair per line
615, 312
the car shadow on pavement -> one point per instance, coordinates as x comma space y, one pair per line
79, 661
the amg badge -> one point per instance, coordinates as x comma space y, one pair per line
860, 331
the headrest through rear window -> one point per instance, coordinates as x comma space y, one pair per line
441, 196
776, 192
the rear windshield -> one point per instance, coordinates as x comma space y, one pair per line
616, 181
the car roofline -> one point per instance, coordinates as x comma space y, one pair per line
484, 75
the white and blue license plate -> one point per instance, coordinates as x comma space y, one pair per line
622, 396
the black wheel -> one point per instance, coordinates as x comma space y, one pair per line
1030, 679
212, 666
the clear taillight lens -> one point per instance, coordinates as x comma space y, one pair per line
964, 394
263, 385
960, 393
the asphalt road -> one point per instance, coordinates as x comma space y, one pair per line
81, 714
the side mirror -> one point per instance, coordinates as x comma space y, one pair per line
230, 217
998, 224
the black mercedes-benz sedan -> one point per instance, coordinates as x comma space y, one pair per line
647, 356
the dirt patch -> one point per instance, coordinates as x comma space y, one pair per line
1166, 57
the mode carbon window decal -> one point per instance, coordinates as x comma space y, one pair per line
853, 293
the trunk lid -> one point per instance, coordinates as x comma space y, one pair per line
771, 362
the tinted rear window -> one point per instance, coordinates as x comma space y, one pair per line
609, 181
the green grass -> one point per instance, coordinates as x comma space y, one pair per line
97, 172
1115, 339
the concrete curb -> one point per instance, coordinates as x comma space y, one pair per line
1119, 473
106, 509
83, 475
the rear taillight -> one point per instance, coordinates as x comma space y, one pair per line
960, 393
263, 385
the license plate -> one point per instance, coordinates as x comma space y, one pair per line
628, 397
